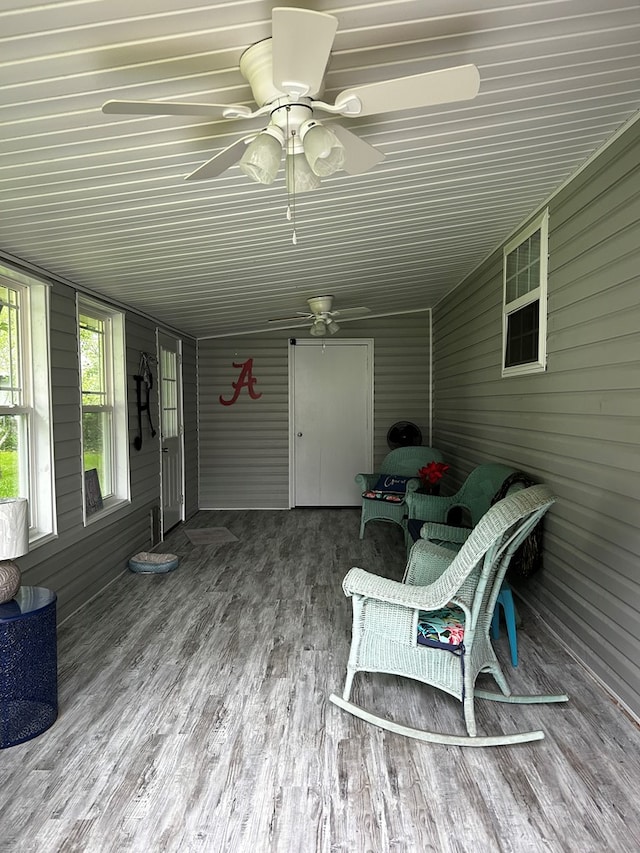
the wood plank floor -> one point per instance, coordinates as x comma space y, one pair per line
194, 716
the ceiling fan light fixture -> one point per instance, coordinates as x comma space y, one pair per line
332, 326
319, 328
261, 160
322, 148
300, 178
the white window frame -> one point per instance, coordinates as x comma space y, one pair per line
115, 405
32, 403
539, 294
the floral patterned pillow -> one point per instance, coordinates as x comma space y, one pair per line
383, 496
441, 629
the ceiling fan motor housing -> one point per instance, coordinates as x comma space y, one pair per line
256, 66
320, 304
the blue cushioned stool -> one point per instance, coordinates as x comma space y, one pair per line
505, 600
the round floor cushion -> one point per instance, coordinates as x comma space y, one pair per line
147, 561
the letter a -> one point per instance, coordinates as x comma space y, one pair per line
245, 380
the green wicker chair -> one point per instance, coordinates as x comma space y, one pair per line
474, 498
434, 626
403, 462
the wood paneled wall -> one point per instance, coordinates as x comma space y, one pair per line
576, 426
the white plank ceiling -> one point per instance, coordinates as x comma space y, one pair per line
101, 201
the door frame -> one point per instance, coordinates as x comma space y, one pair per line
160, 334
314, 342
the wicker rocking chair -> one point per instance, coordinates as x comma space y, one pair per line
434, 626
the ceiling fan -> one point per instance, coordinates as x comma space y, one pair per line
286, 75
322, 317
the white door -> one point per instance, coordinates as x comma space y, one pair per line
332, 404
171, 455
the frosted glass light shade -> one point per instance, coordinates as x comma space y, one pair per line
261, 160
300, 178
323, 150
318, 330
14, 528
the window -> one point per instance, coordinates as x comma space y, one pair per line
169, 394
26, 446
524, 322
104, 416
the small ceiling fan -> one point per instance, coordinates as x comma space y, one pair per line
286, 74
322, 318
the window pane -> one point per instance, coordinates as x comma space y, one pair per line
93, 360
512, 267
14, 456
10, 370
522, 335
96, 443
523, 268
169, 424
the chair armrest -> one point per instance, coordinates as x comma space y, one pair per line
428, 507
435, 532
413, 484
360, 582
366, 481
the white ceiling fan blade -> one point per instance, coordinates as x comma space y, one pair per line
405, 93
301, 44
351, 312
302, 317
174, 108
221, 162
360, 156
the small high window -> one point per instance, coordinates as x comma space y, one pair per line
104, 416
524, 316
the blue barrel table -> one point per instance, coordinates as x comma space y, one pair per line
28, 665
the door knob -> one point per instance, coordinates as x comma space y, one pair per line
165, 449
299, 434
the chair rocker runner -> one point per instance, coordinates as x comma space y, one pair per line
434, 626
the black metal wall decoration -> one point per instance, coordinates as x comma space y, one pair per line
144, 384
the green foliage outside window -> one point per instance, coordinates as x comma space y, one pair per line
96, 411
10, 392
8, 473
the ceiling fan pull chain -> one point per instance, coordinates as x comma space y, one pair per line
290, 180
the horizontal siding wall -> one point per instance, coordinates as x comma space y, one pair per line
81, 560
145, 463
402, 374
244, 448
244, 451
576, 426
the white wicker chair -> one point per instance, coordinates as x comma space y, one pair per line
387, 615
